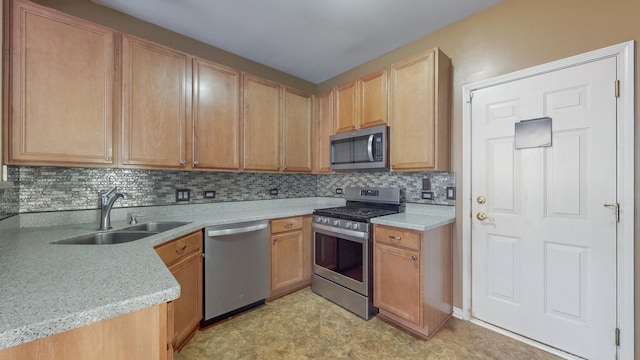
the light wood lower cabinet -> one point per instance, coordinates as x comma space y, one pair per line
413, 277
141, 334
290, 254
183, 257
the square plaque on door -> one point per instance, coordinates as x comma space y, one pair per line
533, 133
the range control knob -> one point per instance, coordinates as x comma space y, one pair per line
325, 220
355, 226
336, 222
347, 224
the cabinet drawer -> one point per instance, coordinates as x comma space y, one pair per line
180, 247
399, 237
281, 225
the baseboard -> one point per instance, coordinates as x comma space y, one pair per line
525, 340
457, 313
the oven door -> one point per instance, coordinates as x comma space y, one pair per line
342, 256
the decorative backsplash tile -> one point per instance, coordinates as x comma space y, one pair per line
410, 184
53, 189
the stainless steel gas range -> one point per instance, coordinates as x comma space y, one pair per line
343, 248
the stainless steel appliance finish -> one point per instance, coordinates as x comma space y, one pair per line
236, 269
343, 248
365, 149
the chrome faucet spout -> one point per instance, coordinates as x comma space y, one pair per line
107, 199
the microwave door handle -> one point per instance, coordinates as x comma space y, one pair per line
370, 148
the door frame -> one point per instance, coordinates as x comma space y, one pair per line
625, 57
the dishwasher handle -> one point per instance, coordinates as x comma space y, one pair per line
232, 231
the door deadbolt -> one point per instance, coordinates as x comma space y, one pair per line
481, 199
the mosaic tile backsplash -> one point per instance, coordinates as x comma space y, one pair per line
54, 189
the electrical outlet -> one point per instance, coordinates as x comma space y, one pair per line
273, 192
338, 191
183, 194
427, 195
451, 192
209, 194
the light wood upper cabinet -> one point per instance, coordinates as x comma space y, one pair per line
296, 130
346, 107
261, 122
323, 128
61, 90
216, 126
419, 116
156, 92
363, 102
373, 99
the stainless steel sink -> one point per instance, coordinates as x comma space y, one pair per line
105, 238
126, 235
157, 227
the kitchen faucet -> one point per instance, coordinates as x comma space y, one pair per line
107, 199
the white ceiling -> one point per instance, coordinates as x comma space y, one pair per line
313, 40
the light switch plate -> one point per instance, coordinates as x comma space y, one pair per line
451, 192
183, 194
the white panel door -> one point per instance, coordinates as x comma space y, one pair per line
544, 259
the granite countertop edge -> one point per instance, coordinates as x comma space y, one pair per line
419, 217
45, 320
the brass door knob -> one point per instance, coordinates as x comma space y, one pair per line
482, 217
481, 199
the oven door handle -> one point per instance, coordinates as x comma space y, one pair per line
341, 232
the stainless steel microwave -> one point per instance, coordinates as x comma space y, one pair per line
365, 149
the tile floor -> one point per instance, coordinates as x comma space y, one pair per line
303, 325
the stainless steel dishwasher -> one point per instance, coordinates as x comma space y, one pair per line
236, 269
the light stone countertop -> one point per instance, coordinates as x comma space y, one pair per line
48, 289
419, 217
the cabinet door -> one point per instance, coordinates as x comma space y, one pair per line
62, 89
296, 134
188, 307
261, 121
216, 116
419, 113
397, 282
287, 259
155, 96
346, 107
323, 129
373, 99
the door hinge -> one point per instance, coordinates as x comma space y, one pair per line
617, 88
617, 337
470, 96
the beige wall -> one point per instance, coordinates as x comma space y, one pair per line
510, 36
133, 26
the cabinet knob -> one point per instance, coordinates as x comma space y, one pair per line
183, 162
414, 258
107, 159
196, 163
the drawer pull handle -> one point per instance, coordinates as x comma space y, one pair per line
288, 225
181, 249
395, 237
